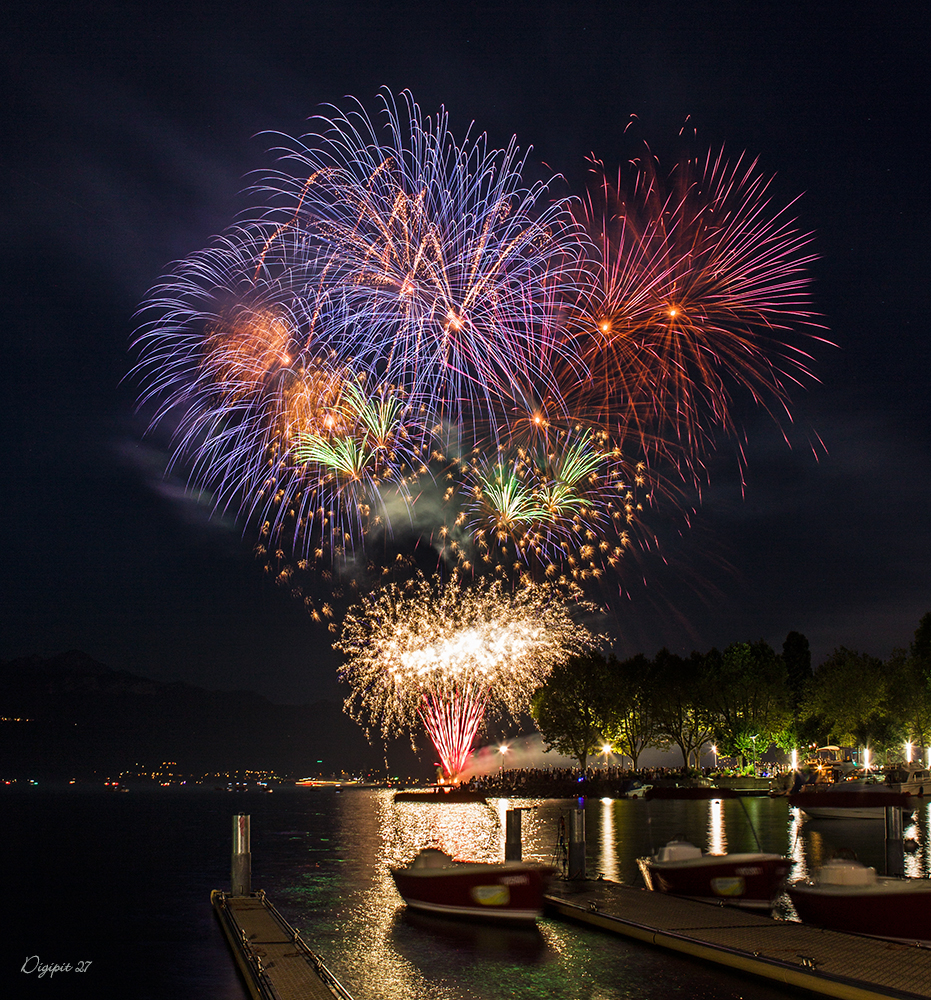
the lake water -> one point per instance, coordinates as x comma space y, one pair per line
123, 881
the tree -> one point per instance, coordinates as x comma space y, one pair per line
796, 655
681, 714
908, 697
749, 696
908, 686
570, 709
631, 723
921, 647
849, 701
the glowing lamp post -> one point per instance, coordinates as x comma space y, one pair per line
753, 740
908, 753
605, 750
502, 750
714, 750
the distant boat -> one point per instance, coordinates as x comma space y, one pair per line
434, 883
690, 792
439, 793
847, 896
681, 869
325, 783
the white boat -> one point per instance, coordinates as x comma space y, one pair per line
847, 896
910, 779
847, 800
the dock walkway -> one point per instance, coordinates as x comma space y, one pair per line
833, 964
275, 962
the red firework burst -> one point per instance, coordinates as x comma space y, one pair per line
697, 293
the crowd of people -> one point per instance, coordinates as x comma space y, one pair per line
567, 782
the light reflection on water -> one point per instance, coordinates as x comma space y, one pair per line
717, 835
351, 913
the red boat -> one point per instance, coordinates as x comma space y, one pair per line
434, 883
846, 896
747, 880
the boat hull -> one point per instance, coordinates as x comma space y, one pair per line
701, 792
746, 880
895, 909
831, 802
511, 893
449, 793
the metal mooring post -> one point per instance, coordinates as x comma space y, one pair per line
577, 843
242, 856
513, 849
895, 849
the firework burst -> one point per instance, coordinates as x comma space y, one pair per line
443, 654
698, 290
405, 342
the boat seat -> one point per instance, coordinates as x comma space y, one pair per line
430, 857
842, 872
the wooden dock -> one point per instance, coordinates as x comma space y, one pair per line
275, 962
833, 964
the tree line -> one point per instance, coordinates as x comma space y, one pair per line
743, 700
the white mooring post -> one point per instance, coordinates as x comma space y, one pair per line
577, 843
242, 856
513, 849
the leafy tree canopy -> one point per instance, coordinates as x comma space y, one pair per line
572, 707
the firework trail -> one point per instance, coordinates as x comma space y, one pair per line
443, 654
698, 290
433, 256
390, 303
406, 341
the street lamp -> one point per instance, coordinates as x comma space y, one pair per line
503, 749
908, 753
753, 739
605, 750
714, 750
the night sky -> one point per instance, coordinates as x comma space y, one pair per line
129, 136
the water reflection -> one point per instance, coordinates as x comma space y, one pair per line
486, 941
717, 834
401, 955
608, 866
797, 852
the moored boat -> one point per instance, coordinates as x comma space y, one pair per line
439, 793
847, 896
847, 801
911, 779
511, 891
690, 792
682, 869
